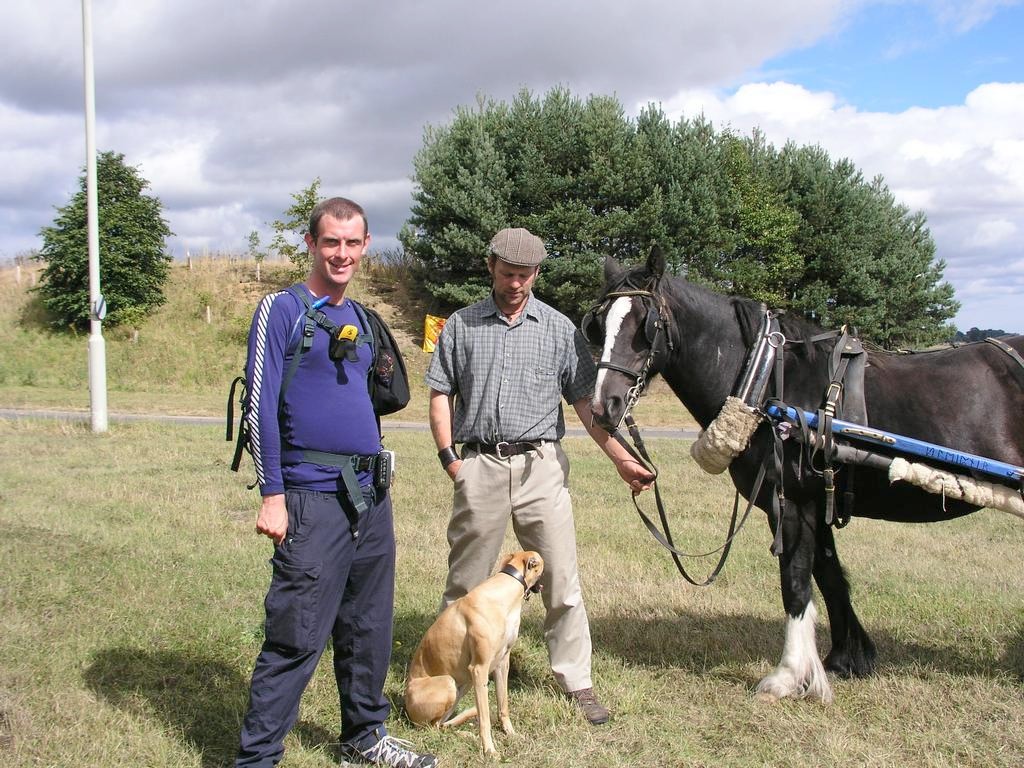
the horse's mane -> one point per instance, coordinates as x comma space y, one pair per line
637, 278
748, 312
796, 329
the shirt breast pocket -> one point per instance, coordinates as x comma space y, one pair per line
546, 382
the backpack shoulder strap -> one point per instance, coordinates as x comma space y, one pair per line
299, 292
367, 329
312, 317
237, 385
304, 343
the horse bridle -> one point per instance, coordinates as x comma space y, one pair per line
655, 326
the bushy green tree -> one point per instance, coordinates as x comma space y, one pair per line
133, 261
792, 227
289, 233
468, 200
869, 262
763, 262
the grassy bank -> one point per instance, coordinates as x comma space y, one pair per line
182, 358
133, 586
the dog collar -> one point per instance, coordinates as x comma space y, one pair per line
515, 573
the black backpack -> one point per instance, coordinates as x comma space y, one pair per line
387, 382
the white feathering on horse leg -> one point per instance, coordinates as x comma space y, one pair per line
800, 674
952, 486
726, 437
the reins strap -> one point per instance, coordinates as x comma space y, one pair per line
734, 529
665, 539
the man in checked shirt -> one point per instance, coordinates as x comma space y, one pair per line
497, 378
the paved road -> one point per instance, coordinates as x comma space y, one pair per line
48, 413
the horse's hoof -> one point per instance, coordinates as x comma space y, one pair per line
774, 688
847, 667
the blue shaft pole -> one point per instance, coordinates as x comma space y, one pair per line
851, 431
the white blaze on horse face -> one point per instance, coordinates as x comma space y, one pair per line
612, 324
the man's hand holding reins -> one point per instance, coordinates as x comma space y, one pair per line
635, 475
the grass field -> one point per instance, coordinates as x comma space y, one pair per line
132, 609
131, 601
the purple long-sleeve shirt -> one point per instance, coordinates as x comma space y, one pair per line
326, 407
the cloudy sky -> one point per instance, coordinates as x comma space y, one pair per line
229, 107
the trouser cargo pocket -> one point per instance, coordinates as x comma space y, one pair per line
291, 606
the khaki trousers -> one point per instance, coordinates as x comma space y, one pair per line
533, 490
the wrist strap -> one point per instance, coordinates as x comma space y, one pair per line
447, 456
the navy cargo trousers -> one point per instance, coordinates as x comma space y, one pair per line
333, 576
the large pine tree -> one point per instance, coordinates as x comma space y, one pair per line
790, 227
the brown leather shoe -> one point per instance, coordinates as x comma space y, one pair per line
590, 706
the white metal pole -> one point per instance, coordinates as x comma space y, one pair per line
97, 310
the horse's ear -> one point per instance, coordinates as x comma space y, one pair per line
656, 263
612, 270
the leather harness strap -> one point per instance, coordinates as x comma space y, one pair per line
639, 453
1007, 349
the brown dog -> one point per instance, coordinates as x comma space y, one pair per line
468, 642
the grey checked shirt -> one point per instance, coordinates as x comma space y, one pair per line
508, 381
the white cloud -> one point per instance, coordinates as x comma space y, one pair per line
228, 109
932, 152
782, 103
964, 15
963, 165
993, 234
1007, 162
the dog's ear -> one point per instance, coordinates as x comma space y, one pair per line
532, 563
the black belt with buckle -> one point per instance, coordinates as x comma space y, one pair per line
504, 450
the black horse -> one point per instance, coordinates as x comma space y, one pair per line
970, 398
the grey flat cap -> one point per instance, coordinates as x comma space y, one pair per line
518, 246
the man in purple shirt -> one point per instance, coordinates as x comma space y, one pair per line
315, 450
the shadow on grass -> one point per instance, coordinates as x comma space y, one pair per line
1013, 659
699, 643
201, 698
35, 317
